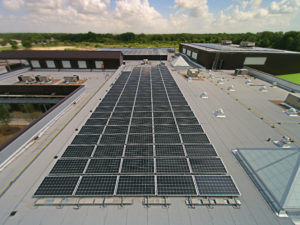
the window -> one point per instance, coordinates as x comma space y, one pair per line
82, 64
66, 64
255, 60
99, 64
50, 64
188, 52
194, 55
35, 64
183, 50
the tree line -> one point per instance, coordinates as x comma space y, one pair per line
279, 40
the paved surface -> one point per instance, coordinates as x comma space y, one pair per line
240, 128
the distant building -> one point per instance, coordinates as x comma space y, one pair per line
229, 56
67, 59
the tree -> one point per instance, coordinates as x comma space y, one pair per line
14, 44
5, 116
26, 43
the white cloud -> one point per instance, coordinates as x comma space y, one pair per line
12, 5
284, 7
90, 6
140, 16
137, 15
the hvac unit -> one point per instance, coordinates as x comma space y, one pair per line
247, 44
226, 42
43, 79
26, 79
248, 82
192, 73
204, 95
219, 113
240, 72
231, 88
71, 79
292, 112
221, 81
263, 89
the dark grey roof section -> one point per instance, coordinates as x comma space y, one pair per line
42, 54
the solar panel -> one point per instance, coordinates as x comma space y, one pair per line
141, 129
69, 166
91, 130
100, 115
200, 150
139, 151
163, 114
104, 166
194, 138
171, 165
169, 150
118, 122
141, 121
165, 129
134, 129
140, 139
142, 114
175, 185
187, 121
216, 185
108, 151
145, 165
57, 186
116, 129
212, 166
85, 139
80, 151
190, 129
136, 185
113, 139
96, 186
167, 138
164, 121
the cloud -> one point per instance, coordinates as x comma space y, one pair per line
140, 16
12, 5
90, 6
284, 7
137, 15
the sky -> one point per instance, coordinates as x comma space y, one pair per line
149, 16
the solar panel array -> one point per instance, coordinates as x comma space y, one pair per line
142, 140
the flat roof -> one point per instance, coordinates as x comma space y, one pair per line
242, 128
44, 54
216, 47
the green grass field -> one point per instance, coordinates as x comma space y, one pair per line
295, 77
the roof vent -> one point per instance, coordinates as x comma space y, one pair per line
247, 44
263, 89
248, 82
204, 95
219, 113
221, 81
231, 88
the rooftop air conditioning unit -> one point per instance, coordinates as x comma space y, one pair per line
71, 79
240, 72
171, 50
219, 113
247, 44
177, 53
226, 42
145, 62
43, 79
26, 79
193, 72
